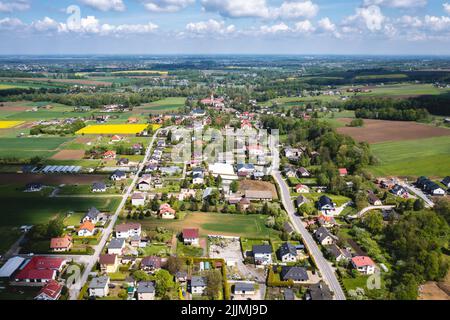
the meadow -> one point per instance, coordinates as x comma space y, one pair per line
30, 147
429, 157
164, 105
252, 226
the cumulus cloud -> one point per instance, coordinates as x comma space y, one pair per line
105, 5
304, 27
447, 7
209, 27
289, 9
166, 5
371, 17
10, 6
276, 28
397, 3
10, 23
437, 23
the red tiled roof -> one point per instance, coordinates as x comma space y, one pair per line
52, 289
40, 268
107, 259
362, 261
190, 233
343, 171
87, 225
124, 227
64, 242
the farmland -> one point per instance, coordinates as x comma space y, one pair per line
9, 124
29, 147
163, 106
429, 157
224, 224
113, 129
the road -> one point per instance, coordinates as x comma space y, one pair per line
75, 288
323, 265
419, 193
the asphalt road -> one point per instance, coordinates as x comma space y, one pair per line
75, 289
323, 265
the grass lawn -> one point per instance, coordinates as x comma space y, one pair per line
188, 251
164, 105
212, 223
247, 244
8, 237
352, 283
429, 157
339, 200
155, 250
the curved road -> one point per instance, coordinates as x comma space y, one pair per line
75, 289
322, 264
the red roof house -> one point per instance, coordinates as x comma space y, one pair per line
61, 244
343, 172
51, 291
191, 236
40, 269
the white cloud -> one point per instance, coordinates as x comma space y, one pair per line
292, 10
166, 5
328, 26
209, 27
10, 6
289, 9
105, 5
10, 23
409, 21
276, 28
437, 23
45, 24
371, 17
447, 7
397, 3
304, 27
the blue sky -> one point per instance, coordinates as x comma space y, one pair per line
225, 26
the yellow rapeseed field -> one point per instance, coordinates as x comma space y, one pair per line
9, 124
114, 129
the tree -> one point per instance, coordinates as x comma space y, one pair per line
174, 264
164, 282
234, 186
419, 205
374, 221
140, 275
213, 284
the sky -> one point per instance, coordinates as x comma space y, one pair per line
397, 27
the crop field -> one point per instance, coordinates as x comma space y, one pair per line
429, 157
376, 131
223, 224
164, 105
30, 147
382, 76
113, 129
9, 124
149, 72
405, 90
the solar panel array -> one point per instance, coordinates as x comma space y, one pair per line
61, 169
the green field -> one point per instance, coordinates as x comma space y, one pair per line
429, 157
165, 105
29, 147
406, 90
252, 226
382, 76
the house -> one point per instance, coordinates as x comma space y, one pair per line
99, 287
135, 241
399, 191
301, 188
116, 246
296, 274
339, 254
319, 291
92, 215
62, 244
301, 200
198, 285
198, 178
109, 155
51, 291
446, 182
287, 252
293, 153
166, 212
290, 173
374, 200
40, 270
144, 183
244, 204
324, 237
146, 290
303, 172
86, 229
33, 187
326, 221
181, 276
108, 263
262, 254
191, 237
123, 162
363, 264
118, 175
151, 264
128, 230
98, 187
244, 288
138, 199
343, 172
325, 204
116, 138
256, 195
245, 169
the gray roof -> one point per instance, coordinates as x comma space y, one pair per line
287, 248
320, 291
324, 201
244, 286
119, 173
322, 233
146, 287
197, 281
116, 244
98, 283
93, 213
98, 185
262, 249
294, 273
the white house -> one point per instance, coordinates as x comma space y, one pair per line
198, 285
86, 229
244, 288
99, 287
128, 230
144, 183
116, 246
138, 199
146, 290
262, 254
287, 252
324, 237
191, 237
363, 264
